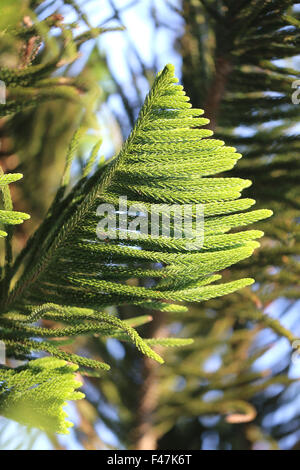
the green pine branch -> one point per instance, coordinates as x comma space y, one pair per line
78, 274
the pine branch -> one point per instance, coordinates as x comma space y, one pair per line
74, 269
8, 217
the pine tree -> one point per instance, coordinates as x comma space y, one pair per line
230, 52
243, 62
230, 68
67, 275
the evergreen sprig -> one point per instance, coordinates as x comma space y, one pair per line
35, 394
169, 159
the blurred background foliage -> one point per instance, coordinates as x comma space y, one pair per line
237, 59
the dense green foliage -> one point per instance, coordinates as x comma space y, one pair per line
67, 274
78, 298
35, 394
239, 63
248, 51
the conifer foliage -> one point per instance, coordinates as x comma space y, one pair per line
35, 394
7, 215
69, 275
240, 63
